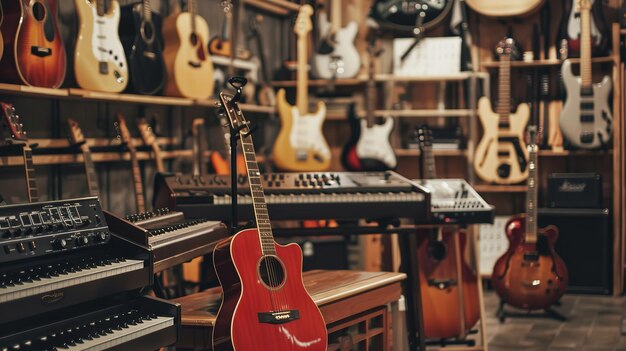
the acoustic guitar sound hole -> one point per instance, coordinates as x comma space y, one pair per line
147, 32
437, 250
271, 271
193, 38
39, 11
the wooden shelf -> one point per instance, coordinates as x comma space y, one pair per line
413, 152
130, 98
276, 7
381, 77
581, 153
33, 91
42, 160
96, 142
544, 63
424, 113
489, 188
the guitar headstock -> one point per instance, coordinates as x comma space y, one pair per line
508, 47
233, 112
146, 132
76, 134
424, 137
533, 136
583, 5
13, 123
303, 23
123, 134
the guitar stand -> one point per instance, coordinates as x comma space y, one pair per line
549, 312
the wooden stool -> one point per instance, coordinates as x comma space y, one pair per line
353, 303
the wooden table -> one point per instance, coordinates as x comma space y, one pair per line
345, 298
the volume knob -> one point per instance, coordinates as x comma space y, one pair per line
59, 244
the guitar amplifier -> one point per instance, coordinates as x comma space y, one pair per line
575, 190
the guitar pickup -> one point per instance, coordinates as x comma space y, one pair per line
531, 256
103, 67
279, 317
587, 118
586, 91
586, 138
40, 51
586, 106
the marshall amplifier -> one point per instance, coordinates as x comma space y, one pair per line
575, 190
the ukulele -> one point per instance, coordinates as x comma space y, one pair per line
127, 140
140, 30
265, 305
77, 139
444, 315
586, 120
187, 61
17, 135
99, 58
530, 274
300, 145
571, 36
501, 153
149, 139
37, 54
336, 55
221, 45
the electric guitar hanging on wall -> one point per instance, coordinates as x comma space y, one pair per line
586, 120
77, 139
187, 61
140, 30
149, 139
569, 41
99, 58
501, 155
17, 135
300, 145
265, 305
127, 141
530, 274
37, 54
336, 55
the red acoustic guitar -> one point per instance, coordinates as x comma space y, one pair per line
530, 274
34, 53
265, 304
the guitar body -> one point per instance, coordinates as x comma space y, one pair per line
34, 50
344, 61
188, 64
570, 30
238, 262
498, 8
530, 275
143, 44
220, 47
99, 58
373, 148
440, 303
501, 153
594, 132
300, 145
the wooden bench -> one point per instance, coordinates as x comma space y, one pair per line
353, 303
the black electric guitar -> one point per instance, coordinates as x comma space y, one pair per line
140, 33
17, 135
77, 138
127, 141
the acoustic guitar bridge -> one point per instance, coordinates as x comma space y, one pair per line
279, 317
40, 51
442, 283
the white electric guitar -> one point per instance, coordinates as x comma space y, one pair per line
586, 121
300, 145
99, 59
336, 56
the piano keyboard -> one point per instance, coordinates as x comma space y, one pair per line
51, 277
182, 230
101, 334
325, 198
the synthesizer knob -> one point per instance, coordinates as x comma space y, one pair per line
101, 237
20, 247
59, 244
82, 241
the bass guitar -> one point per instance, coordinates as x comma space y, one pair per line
140, 30
530, 274
336, 55
300, 145
570, 37
265, 305
444, 282
99, 58
127, 141
17, 135
37, 54
501, 155
187, 61
77, 139
149, 139
586, 120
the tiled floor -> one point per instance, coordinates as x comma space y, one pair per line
593, 324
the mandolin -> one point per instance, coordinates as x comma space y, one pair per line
140, 30
149, 139
99, 57
77, 139
265, 305
17, 135
300, 145
127, 141
35, 52
444, 282
187, 61
530, 274
501, 155
586, 120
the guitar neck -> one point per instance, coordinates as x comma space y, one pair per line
192, 12
429, 162
158, 157
302, 89
335, 16
139, 197
147, 10
504, 89
29, 172
90, 172
531, 196
371, 90
197, 146
585, 48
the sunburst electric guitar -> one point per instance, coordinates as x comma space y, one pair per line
265, 305
300, 145
501, 155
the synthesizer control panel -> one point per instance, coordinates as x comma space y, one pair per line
455, 201
28, 230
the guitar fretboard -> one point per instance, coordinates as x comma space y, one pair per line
585, 47
429, 160
504, 90
92, 178
139, 198
531, 196
29, 172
